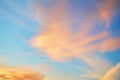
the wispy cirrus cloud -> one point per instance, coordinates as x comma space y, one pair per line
57, 37
20, 16
113, 73
110, 44
107, 10
45, 68
96, 68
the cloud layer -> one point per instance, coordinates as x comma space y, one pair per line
12, 73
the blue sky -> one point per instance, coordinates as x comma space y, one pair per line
63, 40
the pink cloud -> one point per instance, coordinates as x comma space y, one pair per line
106, 10
110, 44
59, 42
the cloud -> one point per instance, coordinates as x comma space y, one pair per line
13, 19
13, 73
113, 73
63, 38
106, 10
95, 65
45, 68
110, 44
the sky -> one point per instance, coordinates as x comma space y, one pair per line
59, 40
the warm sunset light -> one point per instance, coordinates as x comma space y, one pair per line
59, 40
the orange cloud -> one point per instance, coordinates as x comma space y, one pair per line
113, 73
10, 73
57, 38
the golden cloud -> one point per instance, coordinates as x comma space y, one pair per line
10, 73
